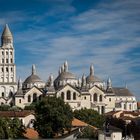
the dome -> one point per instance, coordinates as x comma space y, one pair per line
92, 79
32, 79
65, 76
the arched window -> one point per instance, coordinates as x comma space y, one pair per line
34, 97
125, 106
100, 98
40, 97
95, 97
130, 107
6, 60
6, 69
29, 98
2, 69
74, 96
62, 95
2, 60
68, 95
2, 94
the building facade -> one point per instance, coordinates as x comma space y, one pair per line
85, 92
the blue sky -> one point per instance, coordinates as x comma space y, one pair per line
103, 32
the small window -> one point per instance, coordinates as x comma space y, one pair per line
2, 69
130, 107
19, 100
68, 95
85, 98
34, 97
11, 69
11, 60
2, 94
62, 95
11, 53
74, 96
29, 98
6, 60
2, 60
6, 53
125, 106
2, 53
95, 97
109, 99
100, 98
6, 69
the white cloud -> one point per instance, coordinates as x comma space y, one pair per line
105, 36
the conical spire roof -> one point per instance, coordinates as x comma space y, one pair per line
6, 32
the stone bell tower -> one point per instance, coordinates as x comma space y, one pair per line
8, 84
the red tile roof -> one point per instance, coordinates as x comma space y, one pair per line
78, 123
23, 113
31, 134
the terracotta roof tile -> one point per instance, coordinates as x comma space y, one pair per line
78, 123
31, 134
23, 113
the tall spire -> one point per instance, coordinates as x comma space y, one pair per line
33, 70
19, 84
62, 68
59, 72
6, 37
66, 66
109, 83
51, 80
83, 80
91, 70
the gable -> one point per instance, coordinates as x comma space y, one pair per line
33, 90
95, 89
68, 87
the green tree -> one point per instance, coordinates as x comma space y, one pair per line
90, 116
11, 128
88, 132
16, 128
52, 117
4, 107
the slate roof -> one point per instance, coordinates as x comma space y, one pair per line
122, 91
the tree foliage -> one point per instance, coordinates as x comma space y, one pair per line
52, 116
11, 128
88, 132
4, 107
90, 116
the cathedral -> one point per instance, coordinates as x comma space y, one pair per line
86, 92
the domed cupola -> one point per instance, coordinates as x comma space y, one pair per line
33, 80
65, 77
91, 79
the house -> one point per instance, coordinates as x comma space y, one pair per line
27, 117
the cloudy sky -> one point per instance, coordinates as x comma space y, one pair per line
105, 33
